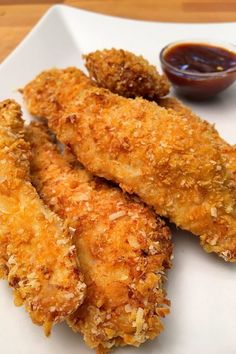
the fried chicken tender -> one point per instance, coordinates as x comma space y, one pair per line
126, 74
37, 254
123, 248
172, 163
96, 67
227, 150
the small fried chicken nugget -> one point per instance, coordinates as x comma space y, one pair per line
123, 248
126, 74
37, 254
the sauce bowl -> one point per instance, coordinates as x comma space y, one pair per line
194, 84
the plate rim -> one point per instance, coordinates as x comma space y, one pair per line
57, 9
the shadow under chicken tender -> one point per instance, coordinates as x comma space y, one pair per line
173, 163
37, 254
123, 248
126, 74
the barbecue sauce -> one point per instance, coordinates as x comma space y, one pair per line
200, 58
199, 70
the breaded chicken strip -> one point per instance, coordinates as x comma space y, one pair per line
62, 86
37, 254
126, 74
123, 249
227, 150
98, 64
173, 163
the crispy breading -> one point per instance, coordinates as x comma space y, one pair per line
9, 113
126, 74
39, 258
54, 89
227, 150
123, 248
173, 163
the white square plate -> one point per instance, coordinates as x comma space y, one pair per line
201, 287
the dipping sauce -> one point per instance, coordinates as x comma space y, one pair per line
199, 70
200, 58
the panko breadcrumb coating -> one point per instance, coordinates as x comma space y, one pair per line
227, 150
61, 87
123, 249
126, 74
172, 163
39, 259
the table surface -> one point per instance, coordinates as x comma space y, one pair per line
17, 17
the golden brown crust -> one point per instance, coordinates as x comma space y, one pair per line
54, 89
126, 74
123, 249
10, 119
38, 259
173, 163
228, 151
